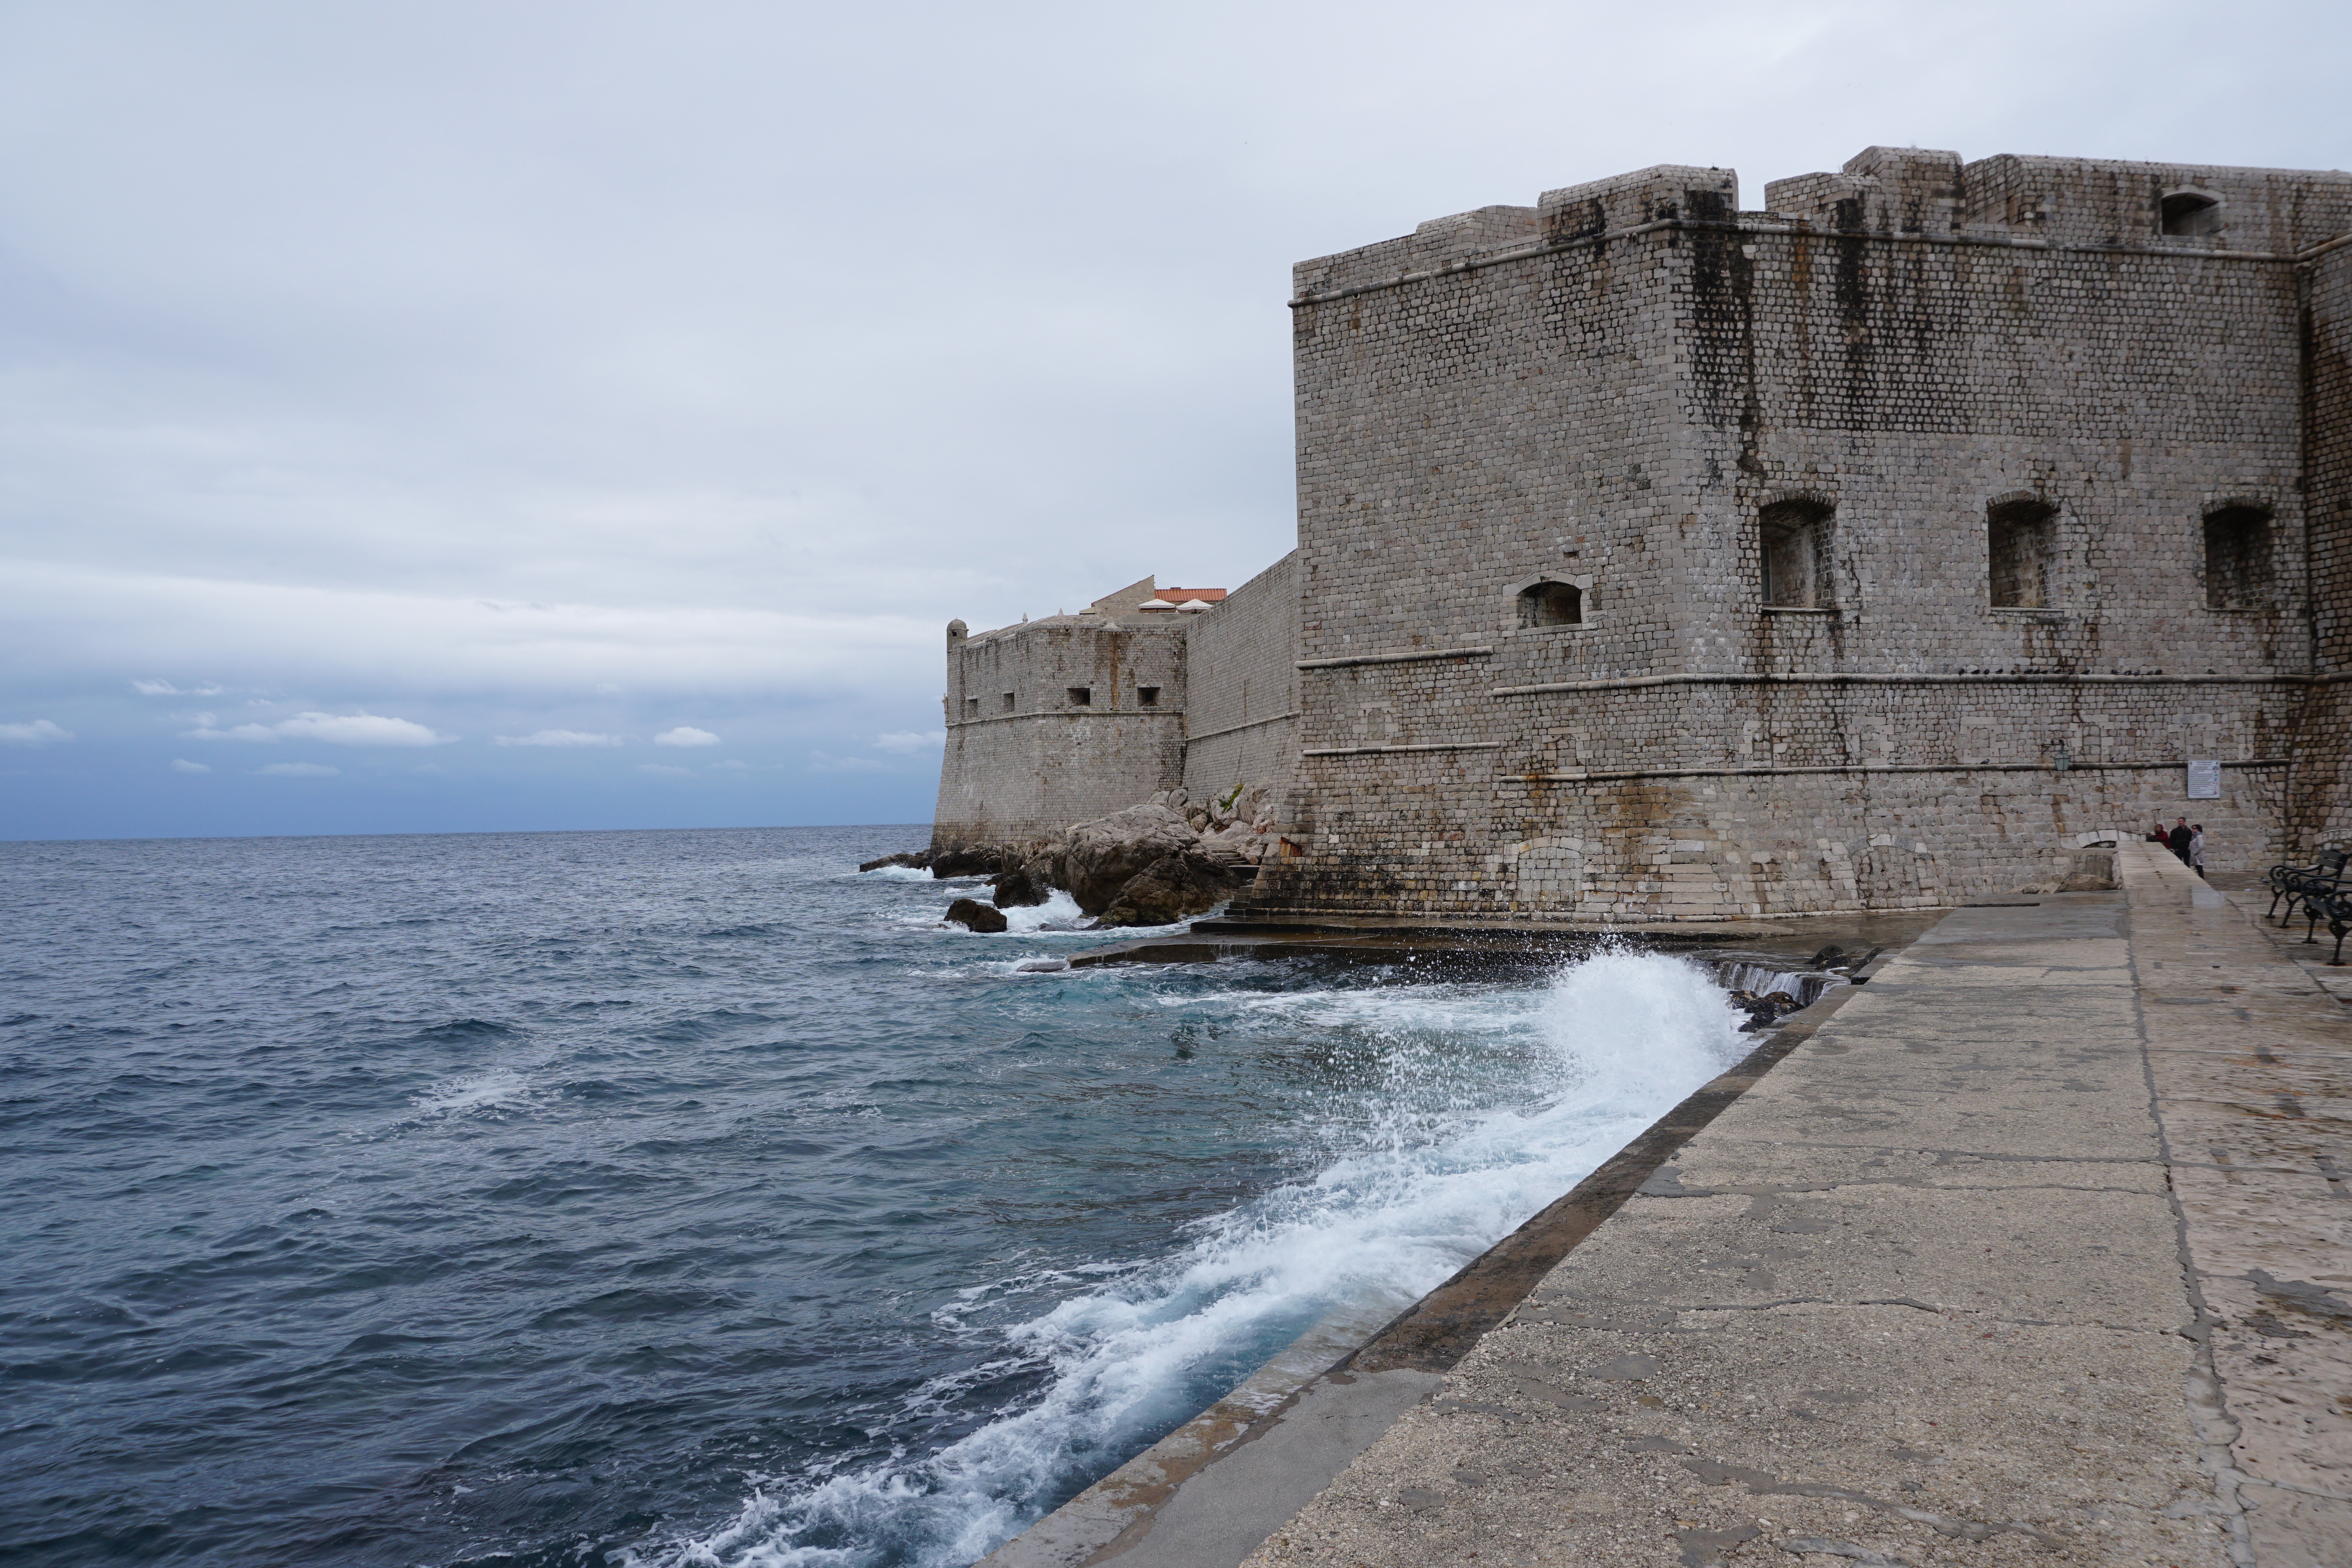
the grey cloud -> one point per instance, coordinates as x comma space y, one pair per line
544, 367
564, 737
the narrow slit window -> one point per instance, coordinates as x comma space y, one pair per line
1147, 696
1794, 538
1551, 605
1082, 697
2238, 558
2020, 546
2190, 213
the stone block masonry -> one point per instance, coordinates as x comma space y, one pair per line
1054, 722
1241, 722
1068, 718
1659, 560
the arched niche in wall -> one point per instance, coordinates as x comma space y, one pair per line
1554, 602
2189, 212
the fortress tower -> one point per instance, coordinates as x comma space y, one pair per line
1659, 560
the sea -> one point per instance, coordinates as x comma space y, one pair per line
690, 1199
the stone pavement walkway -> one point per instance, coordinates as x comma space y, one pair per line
2039, 1250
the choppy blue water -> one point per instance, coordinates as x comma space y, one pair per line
684, 1198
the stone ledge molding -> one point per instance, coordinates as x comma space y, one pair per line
1887, 767
1069, 712
1376, 750
1412, 657
1237, 728
1881, 237
1898, 678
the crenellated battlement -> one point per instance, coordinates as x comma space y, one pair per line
1910, 191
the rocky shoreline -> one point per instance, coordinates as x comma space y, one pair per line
1150, 865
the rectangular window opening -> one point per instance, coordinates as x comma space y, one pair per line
1795, 541
1082, 697
2020, 546
1008, 701
2238, 558
971, 707
1148, 697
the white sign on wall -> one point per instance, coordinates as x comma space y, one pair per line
2204, 779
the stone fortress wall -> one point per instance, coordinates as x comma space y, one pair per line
1658, 559
2322, 808
1206, 700
1059, 720
1241, 722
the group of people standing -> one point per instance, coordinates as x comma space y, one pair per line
2184, 839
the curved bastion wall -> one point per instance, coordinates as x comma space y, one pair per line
1204, 700
1660, 559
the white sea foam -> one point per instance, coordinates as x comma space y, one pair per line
498, 1087
1058, 917
1406, 1193
1027, 920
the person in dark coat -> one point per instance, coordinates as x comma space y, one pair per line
2178, 840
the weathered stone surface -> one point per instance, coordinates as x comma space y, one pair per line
1167, 891
915, 859
2089, 871
1233, 847
1100, 857
974, 915
975, 860
1024, 885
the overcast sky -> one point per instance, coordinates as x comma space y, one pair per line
443, 416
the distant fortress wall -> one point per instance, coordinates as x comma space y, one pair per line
1070, 717
1056, 721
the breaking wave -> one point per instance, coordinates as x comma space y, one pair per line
1458, 1111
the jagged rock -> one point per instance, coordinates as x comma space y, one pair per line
1101, 857
974, 915
1828, 957
1022, 886
917, 859
973, 860
1167, 891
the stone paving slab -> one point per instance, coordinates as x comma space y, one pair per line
1741, 1437
1727, 1163
2030, 1254
1979, 1249
2264, 1141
